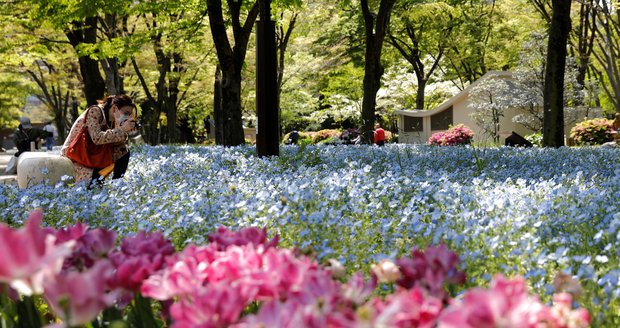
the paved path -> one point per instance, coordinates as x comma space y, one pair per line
5, 157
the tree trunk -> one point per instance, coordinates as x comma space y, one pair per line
218, 114
113, 79
231, 62
553, 125
373, 70
86, 32
232, 120
419, 97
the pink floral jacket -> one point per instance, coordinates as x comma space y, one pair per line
96, 128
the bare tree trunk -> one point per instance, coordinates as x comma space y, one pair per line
553, 127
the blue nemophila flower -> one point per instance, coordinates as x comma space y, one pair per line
535, 211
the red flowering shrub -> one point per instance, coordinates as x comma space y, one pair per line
456, 135
592, 132
325, 135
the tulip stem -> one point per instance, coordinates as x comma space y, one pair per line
27, 314
143, 316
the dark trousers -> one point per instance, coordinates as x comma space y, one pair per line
120, 167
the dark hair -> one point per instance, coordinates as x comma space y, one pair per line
118, 100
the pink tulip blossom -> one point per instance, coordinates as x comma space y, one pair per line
505, 304
224, 237
182, 274
29, 254
140, 256
91, 245
430, 269
216, 305
562, 315
78, 297
405, 308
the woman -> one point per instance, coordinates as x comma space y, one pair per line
101, 118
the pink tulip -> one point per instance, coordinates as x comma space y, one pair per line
430, 269
562, 315
182, 274
217, 305
356, 290
140, 257
224, 237
29, 254
407, 308
90, 244
505, 304
78, 297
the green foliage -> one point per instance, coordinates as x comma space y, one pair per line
535, 139
592, 132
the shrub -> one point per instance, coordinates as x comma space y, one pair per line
592, 132
456, 135
305, 138
324, 135
535, 139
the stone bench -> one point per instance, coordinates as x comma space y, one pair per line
41, 167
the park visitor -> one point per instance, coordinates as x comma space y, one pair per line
26, 138
51, 135
107, 123
379, 135
25, 135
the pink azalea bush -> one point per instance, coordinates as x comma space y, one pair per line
243, 279
592, 132
454, 136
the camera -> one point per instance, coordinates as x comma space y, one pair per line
126, 118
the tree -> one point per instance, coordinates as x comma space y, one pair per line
529, 78
231, 61
14, 84
608, 50
57, 92
490, 98
553, 105
420, 32
375, 26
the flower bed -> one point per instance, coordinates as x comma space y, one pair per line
528, 212
241, 279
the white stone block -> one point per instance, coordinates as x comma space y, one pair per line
40, 167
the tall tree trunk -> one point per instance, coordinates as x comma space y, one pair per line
113, 79
373, 70
173, 94
218, 114
86, 32
553, 124
231, 62
232, 120
420, 93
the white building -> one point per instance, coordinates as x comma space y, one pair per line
416, 126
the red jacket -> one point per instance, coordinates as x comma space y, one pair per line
379, 135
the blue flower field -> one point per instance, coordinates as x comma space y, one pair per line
531, 212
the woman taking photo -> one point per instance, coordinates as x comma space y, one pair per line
105, 124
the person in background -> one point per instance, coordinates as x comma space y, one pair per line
108, 122
51, 135
379, 135
25, 134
